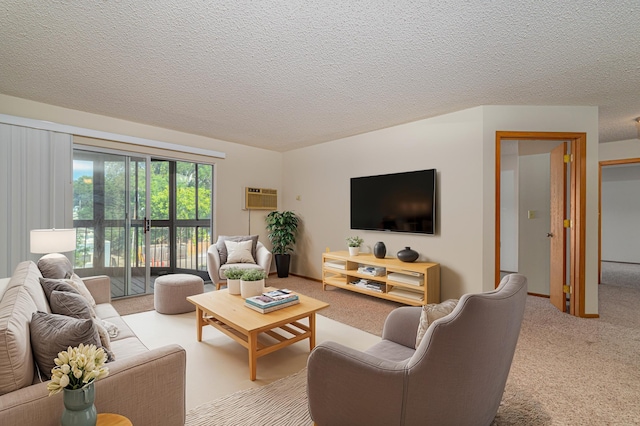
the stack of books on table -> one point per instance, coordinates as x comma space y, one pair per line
272, 301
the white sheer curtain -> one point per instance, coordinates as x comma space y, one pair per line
36, 189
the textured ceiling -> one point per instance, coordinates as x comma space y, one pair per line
288, 74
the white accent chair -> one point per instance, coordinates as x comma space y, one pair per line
216, 266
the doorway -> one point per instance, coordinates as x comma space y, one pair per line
575, 261
618, 213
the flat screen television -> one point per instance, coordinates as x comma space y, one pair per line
397, 202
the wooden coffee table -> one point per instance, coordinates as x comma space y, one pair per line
227, 313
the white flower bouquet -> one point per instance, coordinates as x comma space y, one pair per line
77, 367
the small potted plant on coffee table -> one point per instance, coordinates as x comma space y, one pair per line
233, 275
252, 282
354, 244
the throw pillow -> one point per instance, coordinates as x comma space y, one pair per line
49, 285
222, 248
239, 252
53, 333
432, 312
55, 265
70, 304
81, 287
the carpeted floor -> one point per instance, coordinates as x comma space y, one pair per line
620, 274
344, 306
566, 371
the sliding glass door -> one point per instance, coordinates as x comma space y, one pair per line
110, 207
138, 218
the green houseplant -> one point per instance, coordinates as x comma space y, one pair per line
282, 228
354, 244
233, 275
252, 282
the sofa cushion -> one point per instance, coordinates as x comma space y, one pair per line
53, 333
432, 312
222, 249
16, 359
27, 274
69, 304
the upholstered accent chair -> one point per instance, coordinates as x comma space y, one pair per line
220, 258
455, 376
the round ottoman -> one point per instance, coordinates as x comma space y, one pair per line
171, 292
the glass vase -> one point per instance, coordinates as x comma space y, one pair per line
78, 406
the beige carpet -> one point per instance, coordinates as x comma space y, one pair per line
344, 306
566, 371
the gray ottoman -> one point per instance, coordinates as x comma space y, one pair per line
171, 292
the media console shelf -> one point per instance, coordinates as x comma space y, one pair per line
414, 283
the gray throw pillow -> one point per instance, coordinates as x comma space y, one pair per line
55, 265
53, 333
432, 312
49, 285
222, 248
70, 304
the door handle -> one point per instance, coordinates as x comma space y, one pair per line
549, 234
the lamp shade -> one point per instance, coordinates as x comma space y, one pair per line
53, 240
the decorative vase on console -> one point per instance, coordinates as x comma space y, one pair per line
379, 250
408, 255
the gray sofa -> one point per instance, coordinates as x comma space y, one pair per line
147, 386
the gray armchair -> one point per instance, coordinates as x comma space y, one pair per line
216, 267
456, 376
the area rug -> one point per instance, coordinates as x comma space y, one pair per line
284, 402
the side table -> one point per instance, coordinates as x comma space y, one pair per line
110, 419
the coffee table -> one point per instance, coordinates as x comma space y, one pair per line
283, 327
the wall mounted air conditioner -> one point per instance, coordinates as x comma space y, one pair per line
260, 199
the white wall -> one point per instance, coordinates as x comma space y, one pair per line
509, 208
535, 195
461, 146
621, 213
452, 144
619, 150
243, 166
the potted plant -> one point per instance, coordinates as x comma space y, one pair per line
354, 244
282, 228
252, 282
233, 275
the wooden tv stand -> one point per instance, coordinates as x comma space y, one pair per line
411, 283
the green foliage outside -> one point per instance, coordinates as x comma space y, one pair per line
113, 203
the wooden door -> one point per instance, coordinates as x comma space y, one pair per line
557, 234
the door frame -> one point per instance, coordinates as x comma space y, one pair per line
602, 164
577, 200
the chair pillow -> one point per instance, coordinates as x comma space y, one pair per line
222, 248
239, 252
432, 312
53, 333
